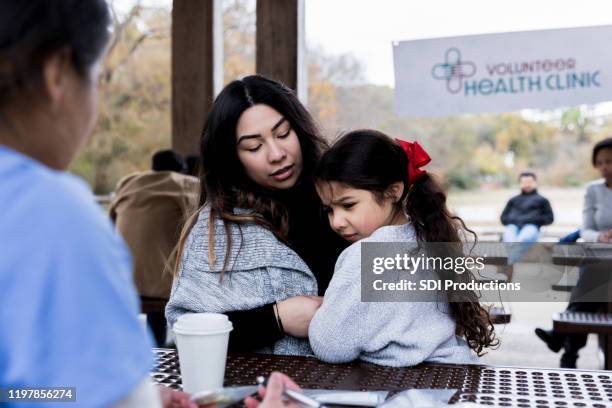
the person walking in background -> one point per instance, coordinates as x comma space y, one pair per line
524, 215
591, 289
149, 210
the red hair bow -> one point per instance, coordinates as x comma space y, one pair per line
417, 158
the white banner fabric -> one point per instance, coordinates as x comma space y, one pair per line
503, 72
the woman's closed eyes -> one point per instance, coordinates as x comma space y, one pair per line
281, 136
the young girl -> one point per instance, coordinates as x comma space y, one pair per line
373, 189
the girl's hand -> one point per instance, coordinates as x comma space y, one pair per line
273, 394
297, 312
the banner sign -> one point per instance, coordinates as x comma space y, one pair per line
503, 72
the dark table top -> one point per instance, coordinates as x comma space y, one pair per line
484, 385
582, 254
494, 253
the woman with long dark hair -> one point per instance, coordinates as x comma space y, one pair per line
374, 190
258, 248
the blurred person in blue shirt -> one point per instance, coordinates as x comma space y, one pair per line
68, 309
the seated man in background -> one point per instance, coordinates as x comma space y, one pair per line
149, 210
524, 215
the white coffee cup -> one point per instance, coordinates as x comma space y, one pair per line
202, 340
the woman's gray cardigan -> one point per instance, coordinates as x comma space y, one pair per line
260, 270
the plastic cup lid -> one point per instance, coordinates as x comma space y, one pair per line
202, 323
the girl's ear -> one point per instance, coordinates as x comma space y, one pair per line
395, 191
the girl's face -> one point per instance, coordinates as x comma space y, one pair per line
603, 163
268, 148
355, 214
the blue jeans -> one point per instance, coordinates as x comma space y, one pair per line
523, 237
571, 237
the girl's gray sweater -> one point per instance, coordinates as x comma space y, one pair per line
386, 333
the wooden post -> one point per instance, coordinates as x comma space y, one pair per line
280, 42
196, 60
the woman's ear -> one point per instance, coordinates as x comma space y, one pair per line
56, 72
395, 191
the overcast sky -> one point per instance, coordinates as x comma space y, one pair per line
367, 28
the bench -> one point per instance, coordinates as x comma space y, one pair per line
494, 233
562, 288
582, 322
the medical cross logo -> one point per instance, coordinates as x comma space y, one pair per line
453, 70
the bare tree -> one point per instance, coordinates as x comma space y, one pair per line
130, 31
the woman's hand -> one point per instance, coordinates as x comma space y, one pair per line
273, 394
175, 399
296, 313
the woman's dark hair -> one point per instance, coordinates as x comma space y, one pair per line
602, 144
223, 180
370, 160
32, 30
